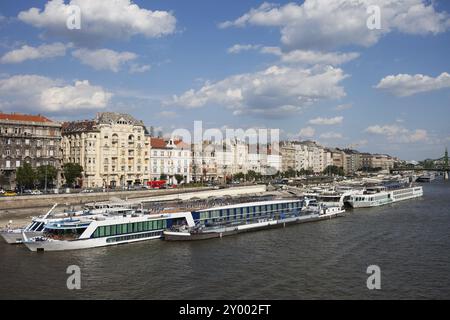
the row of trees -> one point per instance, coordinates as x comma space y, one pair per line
291, 173
45, 176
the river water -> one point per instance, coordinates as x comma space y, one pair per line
409, 241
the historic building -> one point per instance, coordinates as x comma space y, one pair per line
113, 150
204, 165
169, 159
376, 161
32, 139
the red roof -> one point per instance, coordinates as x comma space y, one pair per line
23, 117
158, 143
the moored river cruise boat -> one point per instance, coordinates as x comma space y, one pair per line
246, 217
113, 227
380, 195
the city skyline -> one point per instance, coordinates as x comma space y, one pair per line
241, 65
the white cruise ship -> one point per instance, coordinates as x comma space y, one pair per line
378, 196
36, 227
113, 227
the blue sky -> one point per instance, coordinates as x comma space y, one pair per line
313, 70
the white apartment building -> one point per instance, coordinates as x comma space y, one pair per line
305, 155
204, 165
231, 157
169, 159
112, 149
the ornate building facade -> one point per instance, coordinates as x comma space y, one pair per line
113, 150
32, 139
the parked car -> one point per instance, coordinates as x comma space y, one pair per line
2, 192
87, 191
10, 194
36, 192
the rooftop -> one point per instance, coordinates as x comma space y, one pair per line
24, 117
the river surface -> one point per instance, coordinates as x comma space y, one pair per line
409, 241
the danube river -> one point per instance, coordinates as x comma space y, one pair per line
409, 241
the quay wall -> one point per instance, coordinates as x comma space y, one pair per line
40, 201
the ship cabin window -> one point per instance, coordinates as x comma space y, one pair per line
64, 233
106, 231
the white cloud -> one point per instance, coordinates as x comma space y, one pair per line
398, 134
167, 114
237, 48
38, 93
44, 51
331, 136
104, 59
403, 85
326, 121
307, 132
276, 91
311, 57
343, 107
333, 23
101, 19
137, 68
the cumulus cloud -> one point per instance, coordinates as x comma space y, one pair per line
276, 91
326, 121
104, 59
331, 136
238, 48
26, 52
343, 107
404, 85
101, 19
138, 68
167, 114
307, 132
311, 57
38, 93
333, 23
398, 134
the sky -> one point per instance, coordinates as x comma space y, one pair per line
340, 72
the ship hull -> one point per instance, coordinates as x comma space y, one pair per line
17, 237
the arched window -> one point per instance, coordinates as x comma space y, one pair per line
115, 138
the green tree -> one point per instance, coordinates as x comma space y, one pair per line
304, 172
25, 176
46, 174
72, 171
334, 170
291, 173
3, 180
239, 176
179, 178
